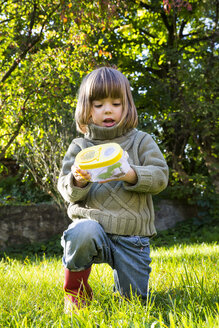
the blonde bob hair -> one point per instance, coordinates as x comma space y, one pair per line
102, 83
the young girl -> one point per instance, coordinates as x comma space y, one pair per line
112, 221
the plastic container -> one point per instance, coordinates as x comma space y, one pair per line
103, 162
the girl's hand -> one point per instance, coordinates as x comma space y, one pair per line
81, 177
130, 177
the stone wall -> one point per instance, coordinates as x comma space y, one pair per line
30, 223
168, 213
36, 223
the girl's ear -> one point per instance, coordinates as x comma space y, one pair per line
83, 128
90, 119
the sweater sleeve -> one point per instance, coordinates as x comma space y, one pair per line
153, 171
67, 189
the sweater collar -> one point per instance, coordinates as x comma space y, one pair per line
103, 133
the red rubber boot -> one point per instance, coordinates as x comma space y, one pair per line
78, 291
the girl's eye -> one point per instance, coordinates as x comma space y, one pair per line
97, 105
116, 104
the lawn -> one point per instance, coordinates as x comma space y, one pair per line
183, 283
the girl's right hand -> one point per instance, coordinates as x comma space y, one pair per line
81, 177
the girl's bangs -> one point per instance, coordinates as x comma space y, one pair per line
104, 86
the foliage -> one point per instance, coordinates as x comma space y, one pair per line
168, 50
21, 189
183, 286
49, 248
43, 57
188, 232
171, 58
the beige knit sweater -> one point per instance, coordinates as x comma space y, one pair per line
120, 208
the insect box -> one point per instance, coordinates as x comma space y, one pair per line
103, 162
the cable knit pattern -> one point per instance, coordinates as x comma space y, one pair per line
121, 208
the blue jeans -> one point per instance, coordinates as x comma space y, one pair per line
85, 242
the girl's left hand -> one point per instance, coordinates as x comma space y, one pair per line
130, 177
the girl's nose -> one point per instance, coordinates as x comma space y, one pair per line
107, 108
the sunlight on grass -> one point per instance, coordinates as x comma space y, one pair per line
183, 283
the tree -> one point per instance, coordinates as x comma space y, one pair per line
43, 57
169, 50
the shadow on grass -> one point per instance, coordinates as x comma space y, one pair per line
187, 302
178, 301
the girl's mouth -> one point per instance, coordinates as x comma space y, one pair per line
108, 122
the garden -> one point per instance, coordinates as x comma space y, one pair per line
168, 49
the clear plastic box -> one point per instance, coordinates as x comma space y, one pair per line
103, 162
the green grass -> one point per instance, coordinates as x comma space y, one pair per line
183, 284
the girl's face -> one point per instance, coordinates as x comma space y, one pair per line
106, 112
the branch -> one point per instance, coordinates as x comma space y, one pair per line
19, 59
33, 15
165, 20
157, 10
146, 6
5, 135
6, 20
182, 28
15, 134
217, 14
29, 46
17, 129
189, 34
195, 41
147, 33
159, 72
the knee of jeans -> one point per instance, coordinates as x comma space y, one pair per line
83, 233
80, 244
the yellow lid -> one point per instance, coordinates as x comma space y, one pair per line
99, 156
